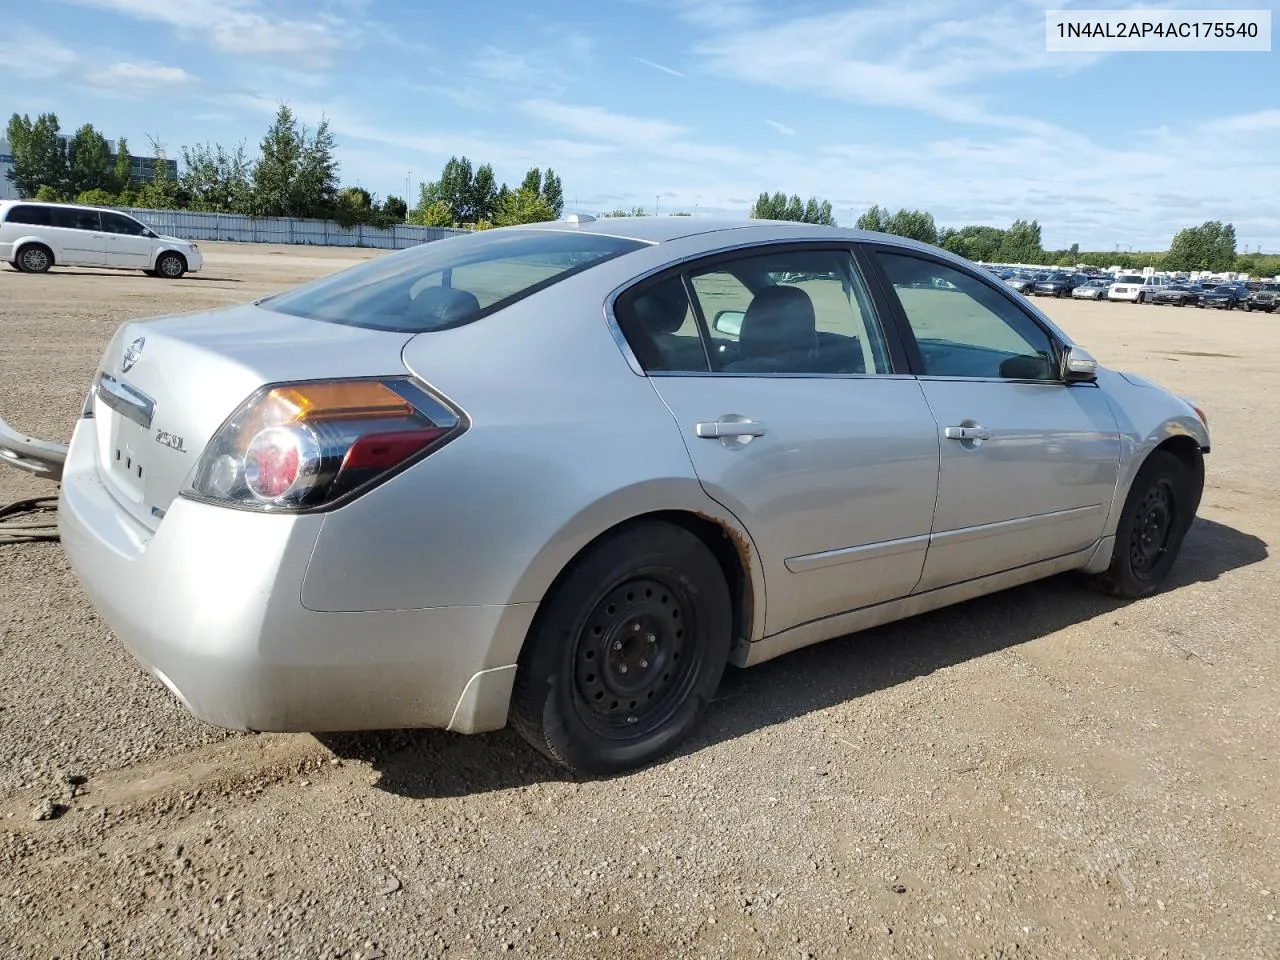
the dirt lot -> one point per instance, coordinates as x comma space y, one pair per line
1043, 773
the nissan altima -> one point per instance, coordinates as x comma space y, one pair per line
561, 475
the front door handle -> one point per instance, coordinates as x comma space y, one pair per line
721, 429
972, 432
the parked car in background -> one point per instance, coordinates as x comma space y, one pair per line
1176, 295
318, 511
1022, 282
37, 236
1225, 296
1133, 288
1057, 284
1093, 289
1265, 298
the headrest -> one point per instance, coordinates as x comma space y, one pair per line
779, 319
444, 305
660, 312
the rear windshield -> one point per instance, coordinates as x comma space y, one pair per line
446, 283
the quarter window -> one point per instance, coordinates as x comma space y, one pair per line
964, 327
790, 312
35, 216
659, 324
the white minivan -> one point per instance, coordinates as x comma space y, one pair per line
37, 236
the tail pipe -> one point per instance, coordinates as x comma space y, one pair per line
43, 458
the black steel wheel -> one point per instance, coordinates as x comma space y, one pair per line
629, 674
626, 652
1158, 512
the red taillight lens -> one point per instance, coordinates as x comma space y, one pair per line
312, 445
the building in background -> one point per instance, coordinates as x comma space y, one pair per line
7, 189
142, 169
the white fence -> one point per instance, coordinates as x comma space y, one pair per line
237, 228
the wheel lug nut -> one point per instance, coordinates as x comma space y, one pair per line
653, 638
617, 644
622, 668
635, 628
644, 663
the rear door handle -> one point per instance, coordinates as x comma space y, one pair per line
720, 429
967, 433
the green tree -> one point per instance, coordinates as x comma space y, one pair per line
162, 192
431, 213
523, 206
1210, 246
482, 198
394, 210
553, 192
277, 168
633, 212
315, 191
98, 198
532, 181
354, 205
47, 194
216, 179
1021, 243
876, 219
39, 154
88, 161
956, 243
122, 170
915, 224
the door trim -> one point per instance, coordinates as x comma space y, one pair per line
867, 551
1001, 527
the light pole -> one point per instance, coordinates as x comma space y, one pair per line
407, 177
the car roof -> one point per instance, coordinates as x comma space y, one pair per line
659, 229
6, 204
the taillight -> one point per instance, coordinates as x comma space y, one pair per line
301, 446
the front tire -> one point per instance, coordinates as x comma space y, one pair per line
626, 653
35, 258
171, 266
1157, 515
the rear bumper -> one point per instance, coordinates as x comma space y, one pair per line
210, 603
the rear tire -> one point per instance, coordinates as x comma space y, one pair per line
626, 653
35, 258
1157, 515
170, 266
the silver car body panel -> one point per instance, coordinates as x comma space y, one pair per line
409, 605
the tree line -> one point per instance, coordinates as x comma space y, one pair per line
294, 173
470, 196
1210, 246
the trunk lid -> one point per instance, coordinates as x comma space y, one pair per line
165, 386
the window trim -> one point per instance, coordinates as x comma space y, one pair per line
908, 335
899, 357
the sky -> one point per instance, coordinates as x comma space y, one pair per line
952, 106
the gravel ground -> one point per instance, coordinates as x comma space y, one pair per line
1041, 773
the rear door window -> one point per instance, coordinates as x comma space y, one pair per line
73, 218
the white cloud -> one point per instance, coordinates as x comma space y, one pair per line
139, 79
600, 123
236, 27
658, 66
33, 55
781, 128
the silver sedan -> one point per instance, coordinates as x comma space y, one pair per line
561, 475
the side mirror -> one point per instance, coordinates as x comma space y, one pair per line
1078, 366
728, 322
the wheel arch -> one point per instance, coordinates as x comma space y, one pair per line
23, 242
719, 531
164, 251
